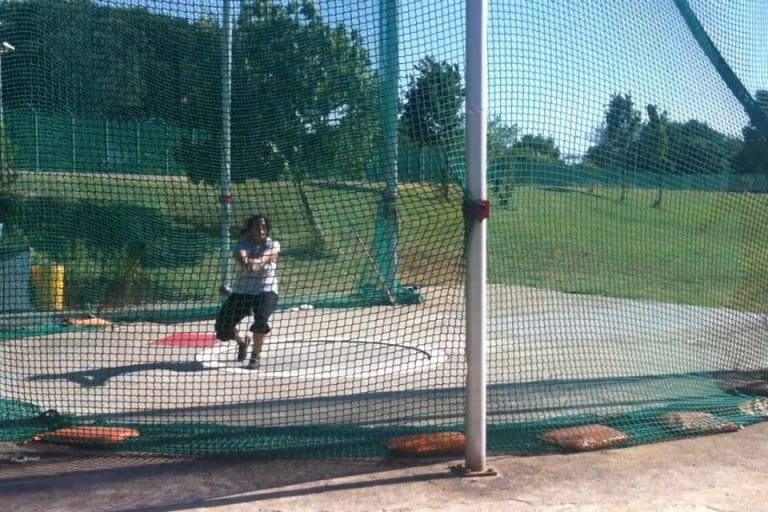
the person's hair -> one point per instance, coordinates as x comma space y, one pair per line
254, 220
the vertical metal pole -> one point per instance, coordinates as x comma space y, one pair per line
106, 148
167, 152
476, 274
390, 71
226, 125
138, 146
2, 120
6, 47
74, 158
37, 140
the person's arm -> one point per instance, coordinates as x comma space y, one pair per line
255, 264
241, 256
272, 253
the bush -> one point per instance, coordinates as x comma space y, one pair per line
200, 159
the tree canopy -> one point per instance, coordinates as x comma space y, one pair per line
654, 142
536, 148
432, 116
753, 156
625, 141
305, 100
304, 96
620, 128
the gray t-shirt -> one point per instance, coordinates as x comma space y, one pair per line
264, 279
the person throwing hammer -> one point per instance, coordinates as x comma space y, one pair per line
254, 290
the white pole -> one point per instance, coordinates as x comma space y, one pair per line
226, 107
476, 301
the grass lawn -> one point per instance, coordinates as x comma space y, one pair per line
705, 248
95, 225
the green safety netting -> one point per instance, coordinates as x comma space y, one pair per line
627, 169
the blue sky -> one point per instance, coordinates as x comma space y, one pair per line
554, 64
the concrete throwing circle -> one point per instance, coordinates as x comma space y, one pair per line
327, 358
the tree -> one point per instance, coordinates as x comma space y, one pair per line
622, 123
695, 148
536, 148
303, 98
94, 60
753, 156
597, 155
7, 175
302, 89
499, 142
432, 115
500, 137
654, 146
617, 138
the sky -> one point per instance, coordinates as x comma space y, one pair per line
554, 64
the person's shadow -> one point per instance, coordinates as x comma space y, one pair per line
100, 376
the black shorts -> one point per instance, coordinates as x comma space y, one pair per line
238, 306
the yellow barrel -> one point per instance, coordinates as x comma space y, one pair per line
48, 284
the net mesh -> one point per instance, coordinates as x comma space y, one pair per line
627, 261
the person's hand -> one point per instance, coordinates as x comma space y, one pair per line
255, 264
269, 256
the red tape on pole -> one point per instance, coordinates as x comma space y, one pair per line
479, 210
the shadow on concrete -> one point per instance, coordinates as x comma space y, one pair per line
99, 376
138, 484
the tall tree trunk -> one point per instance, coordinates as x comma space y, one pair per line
446, 178
620, 159
318, 234
623, 185
657, 202
309, 214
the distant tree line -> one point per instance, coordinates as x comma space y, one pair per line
305, 96
661, 146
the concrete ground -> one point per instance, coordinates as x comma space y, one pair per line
339, 367
721, 473
371, 365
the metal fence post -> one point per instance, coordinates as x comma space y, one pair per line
106, 145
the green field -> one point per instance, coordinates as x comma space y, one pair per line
97, 226
704, 248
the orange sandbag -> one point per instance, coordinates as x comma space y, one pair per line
435, 443
92, 321
755, 407
696, 422
585, 437
88, 435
